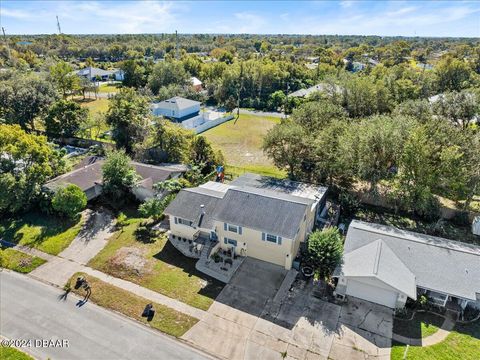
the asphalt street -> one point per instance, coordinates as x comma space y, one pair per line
32, 310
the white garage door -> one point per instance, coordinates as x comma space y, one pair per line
372, 293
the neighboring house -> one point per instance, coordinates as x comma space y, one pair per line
322, 87
93, 73
196, 84
176, 108
385, 265
89, 178
255, 216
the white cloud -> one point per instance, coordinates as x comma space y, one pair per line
248, 23
346, 4
15, 13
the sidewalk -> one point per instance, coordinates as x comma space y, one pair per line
57, 271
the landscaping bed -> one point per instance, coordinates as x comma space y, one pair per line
462, 343
157, 265
165, 319
46, 233
422, 324
17, 261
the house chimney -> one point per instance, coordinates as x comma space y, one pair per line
202, 209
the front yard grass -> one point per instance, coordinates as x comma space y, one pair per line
17, 261
422, 325
156, 265
46, 233
10, 353
462, 343
241, 143
109, 296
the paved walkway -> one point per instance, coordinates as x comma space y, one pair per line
58, 270
438, 337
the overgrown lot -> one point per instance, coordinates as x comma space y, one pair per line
17, 261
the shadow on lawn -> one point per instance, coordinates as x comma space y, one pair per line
50, 226
413, 328
172, 256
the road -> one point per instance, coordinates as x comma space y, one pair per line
30, 309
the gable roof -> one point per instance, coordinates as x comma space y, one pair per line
438, 264
377, 260
176, 103
91, 174
260, 208
93, 71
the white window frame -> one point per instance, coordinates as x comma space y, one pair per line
228, 241
232, 228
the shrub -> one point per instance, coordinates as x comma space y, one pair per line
325, 250
69, 201
349, 203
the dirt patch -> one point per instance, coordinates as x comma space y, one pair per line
130, 260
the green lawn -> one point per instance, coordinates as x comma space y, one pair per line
160, 267
241, 143
462, 343
10, 353
17, 261
103, 294
422, 325
95, 105
109, 88
43, 232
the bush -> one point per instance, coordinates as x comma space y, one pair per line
69, 201
325, 250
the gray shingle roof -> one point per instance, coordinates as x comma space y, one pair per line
176, 103
267, 206
377, 260
438, 264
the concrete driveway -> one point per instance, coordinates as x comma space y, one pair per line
364, 330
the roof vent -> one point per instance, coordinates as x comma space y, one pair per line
202, 209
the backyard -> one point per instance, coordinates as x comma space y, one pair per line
46, 233
241, 143
462, 343
157, 265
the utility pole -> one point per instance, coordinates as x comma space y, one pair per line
6, 42
239, 92
286, 101
58, 26
176, 46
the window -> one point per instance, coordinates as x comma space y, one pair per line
232, 228
228, 241
183, 221
272, 238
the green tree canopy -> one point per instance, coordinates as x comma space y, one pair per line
325, 249
65, 118
27, 162
119, 176
63, 76
128, 114
69, 201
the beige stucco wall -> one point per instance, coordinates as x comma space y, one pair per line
250, 243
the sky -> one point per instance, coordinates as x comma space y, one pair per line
385, 18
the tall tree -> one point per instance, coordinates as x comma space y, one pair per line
128, 114
63, 76
65, 118
119, 176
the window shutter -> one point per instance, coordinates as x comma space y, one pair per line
263, 236
240, 230
279, 240
176, 220
225, 226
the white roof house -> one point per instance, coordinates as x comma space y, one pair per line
385, 265
176, 108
